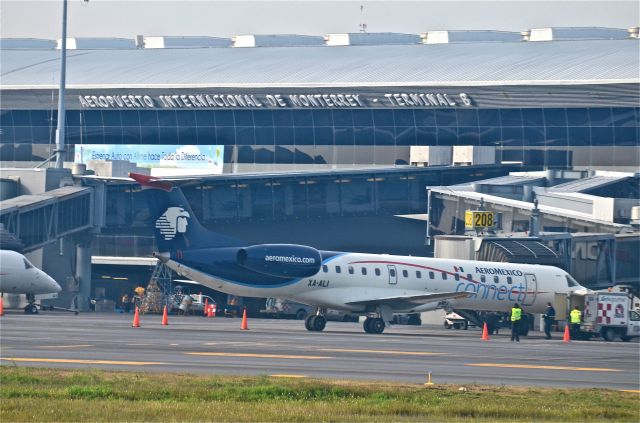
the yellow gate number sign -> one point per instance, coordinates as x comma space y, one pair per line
479, 219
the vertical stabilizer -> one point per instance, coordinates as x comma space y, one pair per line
176, 226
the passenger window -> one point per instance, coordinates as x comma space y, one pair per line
634, 316
483, 278
456, 277
351, 270
444, 276
364, 270
392, 272
377, 272
325, 268
509, 280
432, 275
496, 279
27, 265
338, 270
418, 274
405, 273
469, 277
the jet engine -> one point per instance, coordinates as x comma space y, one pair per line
280, 260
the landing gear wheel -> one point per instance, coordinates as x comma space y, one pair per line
318, 323
31, 309
377, 325
367, 325
308, 322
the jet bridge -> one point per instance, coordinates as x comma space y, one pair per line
38, 220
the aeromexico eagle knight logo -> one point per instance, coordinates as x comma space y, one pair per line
173, 221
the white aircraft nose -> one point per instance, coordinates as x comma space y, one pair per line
55, 287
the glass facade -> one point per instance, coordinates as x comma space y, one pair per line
554, 137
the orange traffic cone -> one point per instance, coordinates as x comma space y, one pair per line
165, 317
485, 332
567, 336
214, 310
1, 306
136, 319
206, 307
244, 326
210, 310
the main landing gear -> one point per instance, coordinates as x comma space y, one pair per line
31, 308
374, 325
316, 322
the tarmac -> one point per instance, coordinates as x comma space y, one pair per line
283, 348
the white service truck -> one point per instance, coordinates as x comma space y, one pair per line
610, 315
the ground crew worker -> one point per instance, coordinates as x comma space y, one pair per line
576, 318
516, 317
126, 303
549, 319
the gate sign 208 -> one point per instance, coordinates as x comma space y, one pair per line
479, 219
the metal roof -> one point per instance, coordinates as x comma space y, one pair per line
511, 180
587, 184
458, 64
27, 43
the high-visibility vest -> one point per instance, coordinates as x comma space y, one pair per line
575, 316
516, 314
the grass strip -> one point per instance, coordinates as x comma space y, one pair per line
62, 395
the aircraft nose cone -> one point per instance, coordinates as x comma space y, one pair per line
55, 287
163, 257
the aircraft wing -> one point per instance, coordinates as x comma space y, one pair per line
408, 301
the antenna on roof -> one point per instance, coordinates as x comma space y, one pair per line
363, 25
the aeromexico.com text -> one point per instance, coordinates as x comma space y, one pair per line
290, 259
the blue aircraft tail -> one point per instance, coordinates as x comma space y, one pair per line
176, 225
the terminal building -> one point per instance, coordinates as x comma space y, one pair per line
308, 140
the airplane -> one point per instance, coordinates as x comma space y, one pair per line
19, 276
375, 285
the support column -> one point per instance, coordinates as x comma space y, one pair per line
83, 274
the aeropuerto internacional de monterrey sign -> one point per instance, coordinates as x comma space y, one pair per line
274, 101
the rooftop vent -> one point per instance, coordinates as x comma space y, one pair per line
435, 37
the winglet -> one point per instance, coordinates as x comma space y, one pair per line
151, 182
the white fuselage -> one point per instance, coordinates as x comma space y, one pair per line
19, 276
352, 277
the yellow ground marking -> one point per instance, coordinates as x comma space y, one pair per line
531, 366
210, 343
66, 346
381, 351
224, 354
290, 376
75, 361
634, 391
174, 345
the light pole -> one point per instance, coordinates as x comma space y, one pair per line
60, 147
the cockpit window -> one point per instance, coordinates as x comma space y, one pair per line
571, 282
27, 265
